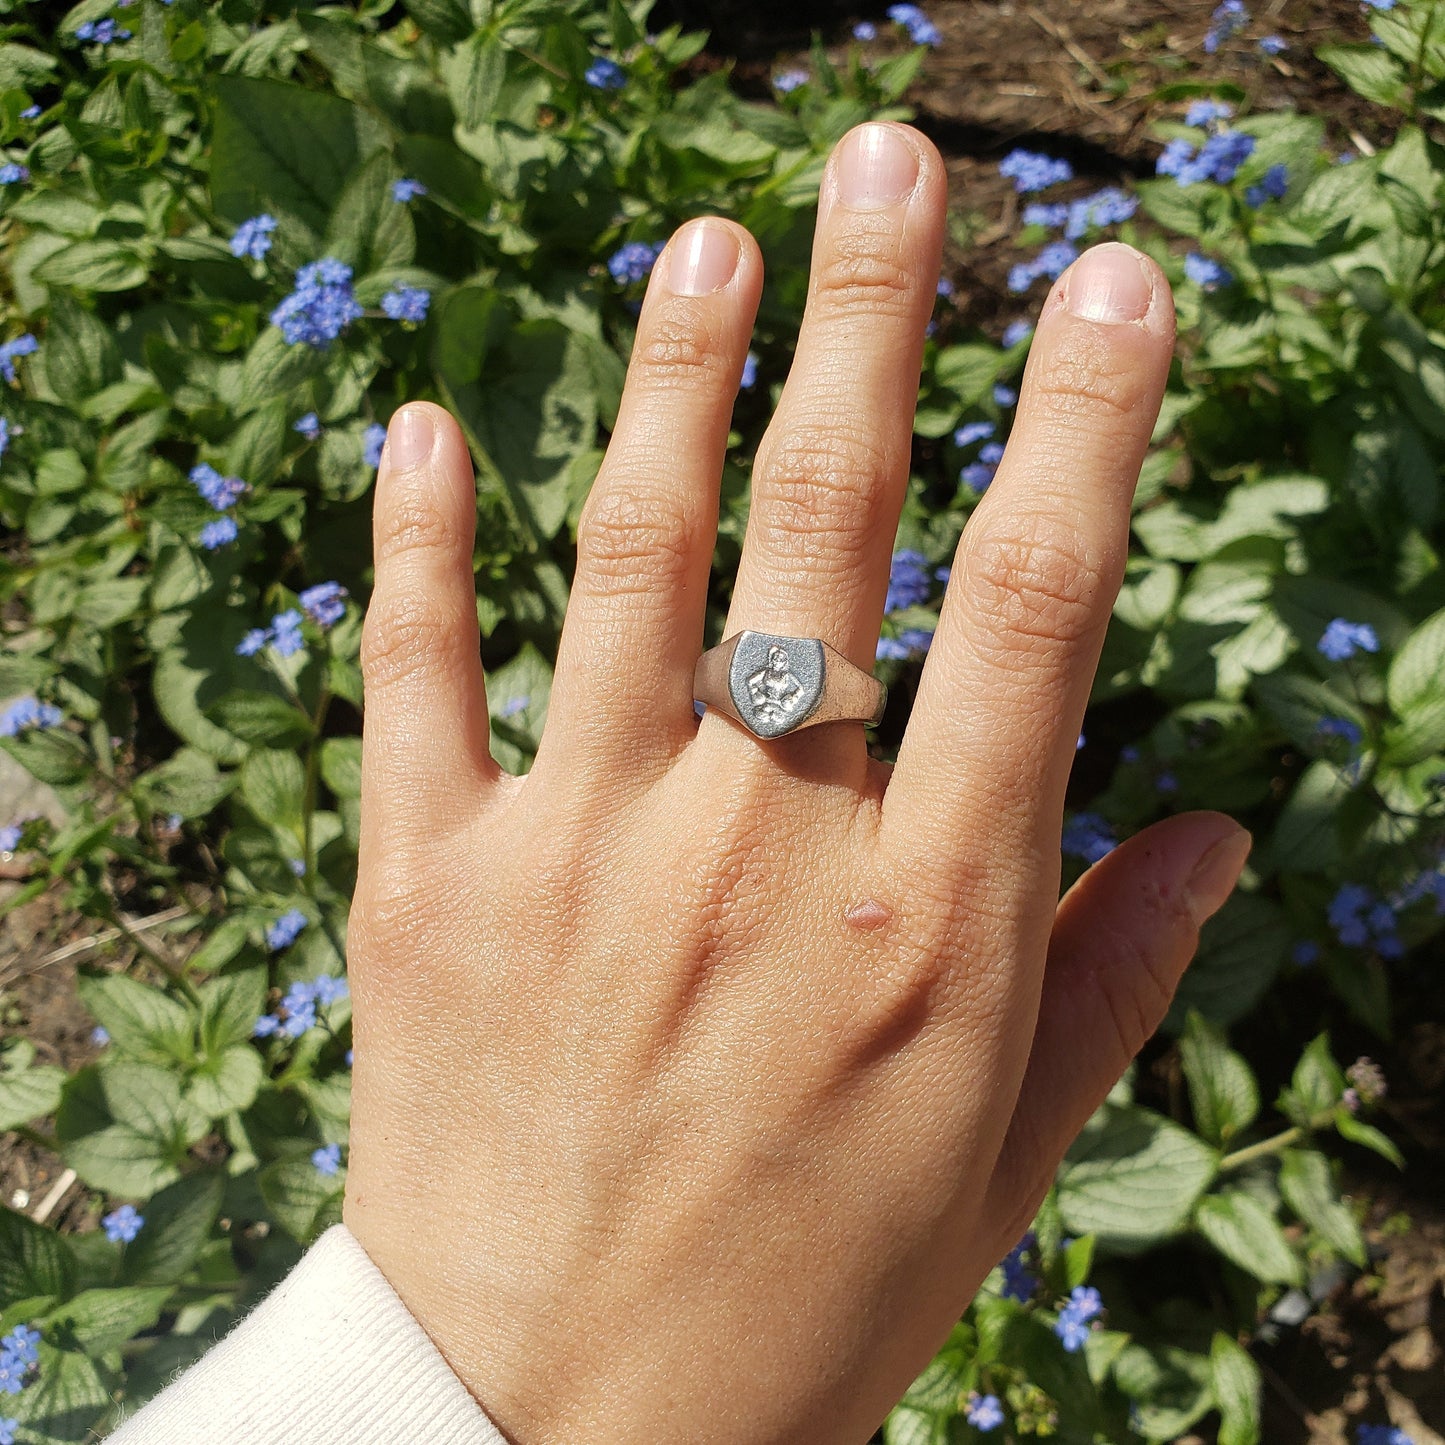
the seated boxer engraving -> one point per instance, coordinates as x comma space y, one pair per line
776, 694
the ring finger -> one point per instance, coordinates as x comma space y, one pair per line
830, 474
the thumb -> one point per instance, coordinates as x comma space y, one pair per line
1123, 936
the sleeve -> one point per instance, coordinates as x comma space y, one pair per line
331, 1355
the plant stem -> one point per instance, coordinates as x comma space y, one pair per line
40, 1137
1275, 1145
175, 975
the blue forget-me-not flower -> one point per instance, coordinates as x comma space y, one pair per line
253, 237
123, 1224
1343, 639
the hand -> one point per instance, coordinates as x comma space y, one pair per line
700, 1081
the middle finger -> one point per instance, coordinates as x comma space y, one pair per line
830, 474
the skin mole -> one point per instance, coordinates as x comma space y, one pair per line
869, 915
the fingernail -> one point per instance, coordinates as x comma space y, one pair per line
1110, 284
409, 437
1216, 873
877, 168
703, 259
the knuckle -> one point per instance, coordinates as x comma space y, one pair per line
863, 271
412, 525
825, 486
404, 634
1086, 375
681, 349
631, 539
1033, 581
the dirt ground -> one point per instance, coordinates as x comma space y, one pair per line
1081, 79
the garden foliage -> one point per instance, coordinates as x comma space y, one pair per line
237, 237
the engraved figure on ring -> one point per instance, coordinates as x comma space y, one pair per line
775, 693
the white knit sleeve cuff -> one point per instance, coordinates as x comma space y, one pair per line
331, 1355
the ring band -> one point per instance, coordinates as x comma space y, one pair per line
775, 685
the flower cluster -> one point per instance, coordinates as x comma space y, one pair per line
1271, 187
325, 603
921, 30
787, 81
253, 237
1031, 172
1072, 1326
633, 261
1019, 1281
1228, 19
25, 345
221, 492
911, 642
909, 583
12, 173
286, 930
1206, 273
309, 426
406, 190
1367, 1084
984, 1412
605, 74
407, 303
327, 1159
102, 32
1218, 159
123, 1224
1343, 639
19, 1354
322, 603
1052, 262
1362, 919
26, 713
297, 1010
1104, 208
320, 307
1087, 836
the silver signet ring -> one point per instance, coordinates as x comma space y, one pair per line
775, 685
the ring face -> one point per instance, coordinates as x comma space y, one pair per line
776, 683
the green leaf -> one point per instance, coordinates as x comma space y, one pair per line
93, 266
1317, 1085
1222, 1090
53, 755
1308, 1189
261, 717
256, 447
187, 783
518, 694
368, 230
1241, 949
300, 1197
1132, 1178
227, 1082
100, 1320
1243, 1230
113, 600
341, 766
274, 786
474, 74
1416, 689
69, 1400
527, 401
178, 1223
907, 1426
284, 149
27, 1090
1238, 1387
34, 1261
274, 367
230, 1006
139, 1017
1367, 1137
1369, 71
1170, 1387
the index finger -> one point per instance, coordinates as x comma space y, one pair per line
992, 736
